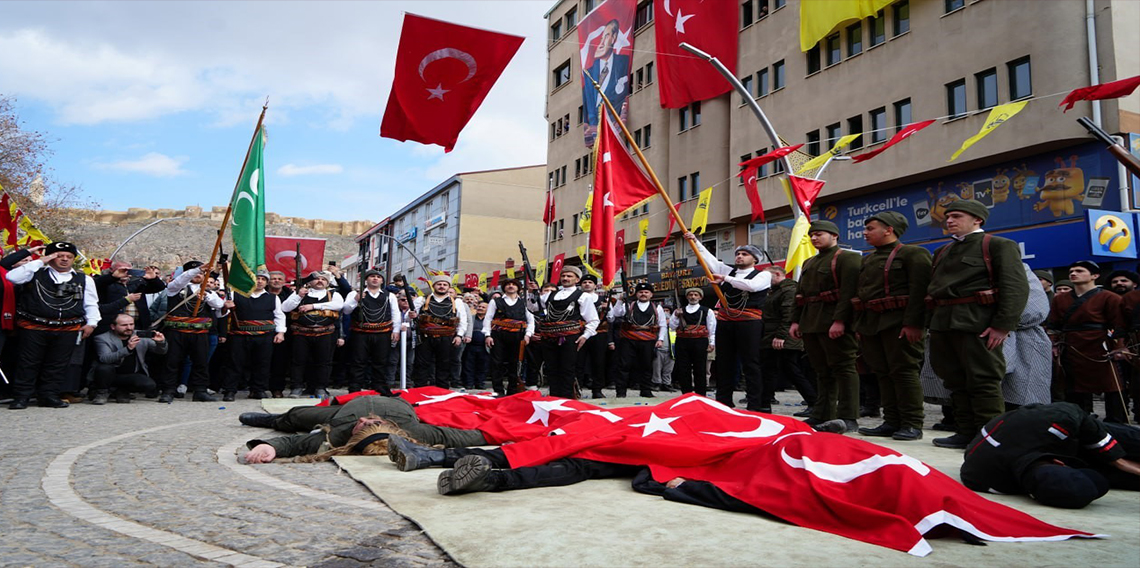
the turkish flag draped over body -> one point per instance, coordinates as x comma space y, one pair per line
709, 26
281, 254
619, 185
1113, 90
443, 73
805, 191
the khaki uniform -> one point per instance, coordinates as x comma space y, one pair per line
819, 304
971, 372
888, 299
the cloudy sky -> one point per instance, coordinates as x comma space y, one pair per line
152, 104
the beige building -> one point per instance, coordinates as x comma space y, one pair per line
470, 223
948, 60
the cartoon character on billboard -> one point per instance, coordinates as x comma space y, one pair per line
1062, 185
1001, 183
1021, 178
940, 200
967, 190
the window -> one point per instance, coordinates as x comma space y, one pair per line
745, 14
697, 113
902, 114
834, 131
777, 166
778, 75
762, 12
987, 88
566, 123
901, 12
878, 125
878, 29
813, 60
587, 164
590, 5
744, 158
855, 126
553, 130
695, 184
956, 98
644, 14
577, 169
952, 5
1020, 80
747, 82
562, 74
812, 142
762, 82
556, 30
682, 187
638, 80
574, 229
683, 118
762, 171
646, 136
777, 4
854, 39
563, 175
649, 73
690, 116
833, 53
581, 114
571, 18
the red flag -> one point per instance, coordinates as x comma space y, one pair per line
605, 44
548, 209
9, 222
619, 244
708, 26
770, 156
471, 280
805, 191
1113, 90
668, 233
281, 254
556, 267
443, 73
898, 137
753, 192
494, 280
619, 185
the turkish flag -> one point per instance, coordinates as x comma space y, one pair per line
751, 168
619, 244
281, 254
669, 232
805, 191
556, 267
494, 280
1113, 90
619, 185
471, 280
898, 137
709, 26
548, 209
443, 73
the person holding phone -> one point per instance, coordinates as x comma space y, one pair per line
121, 367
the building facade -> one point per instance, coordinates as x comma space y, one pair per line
470, 223
948, 60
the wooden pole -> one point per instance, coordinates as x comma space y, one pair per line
660, 190
230, 207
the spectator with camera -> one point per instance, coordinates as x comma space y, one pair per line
121, 292
121, 368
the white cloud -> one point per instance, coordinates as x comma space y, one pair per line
151, 164
290, 170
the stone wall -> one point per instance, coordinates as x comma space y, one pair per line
138, 215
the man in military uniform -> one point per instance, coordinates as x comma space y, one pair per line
508, 327
441, 324
259, 325
977, 292
56, 306
187, 332
569, 320
1046, 279
314, 311
823, 320
782, 355
695, 326
889, 318
740, 324
375, 329
642, 332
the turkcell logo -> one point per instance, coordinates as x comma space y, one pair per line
1112, 233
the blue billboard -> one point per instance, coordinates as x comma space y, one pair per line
1050, 187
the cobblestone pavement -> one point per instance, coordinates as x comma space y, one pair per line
150, 484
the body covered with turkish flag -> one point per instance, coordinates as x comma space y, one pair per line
683, 78
443, 73
281, 254
619, 185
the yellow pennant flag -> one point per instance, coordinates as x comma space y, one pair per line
642, 237
510, 272
417, 289
483, 281
584, 254
540, 272
799, 246
455, 280
997, 117
701, 214
819, 17
822, 158
584, 216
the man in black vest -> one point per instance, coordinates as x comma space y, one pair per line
279, 367
507, 326
375, 330
696, 338
187, 332
441, 323
740, 325
315, 314
642, 332
56, 306
259, 323
563, 333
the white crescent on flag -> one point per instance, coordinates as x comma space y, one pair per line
291, 254
845, 472
450, 53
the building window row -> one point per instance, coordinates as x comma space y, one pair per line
689, 116
556, 230
643, 136
560, 127
986, 88
564, 25
874, 129
848, 43
688, 187
763, 171
557, 177
764, 81
643, 77
583, 166
644, 14
561, 74
756, 10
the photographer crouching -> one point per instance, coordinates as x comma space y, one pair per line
121, 367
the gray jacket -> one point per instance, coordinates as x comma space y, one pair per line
111, 351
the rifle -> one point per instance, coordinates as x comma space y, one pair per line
1119, 152
223, 262
528, 277
297, 274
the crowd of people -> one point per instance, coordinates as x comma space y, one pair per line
856, 336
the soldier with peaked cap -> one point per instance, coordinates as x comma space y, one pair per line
314, 313
442, 324
889, 318
569, 320
977, 293
375, 328
695, 326
823, 318
259, 323
57, 305
740, 324
187, 332
507, 326
642, 332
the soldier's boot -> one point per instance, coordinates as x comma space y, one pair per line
883, 430
956, 442
258, 419
472, 473
837, 426
410, 456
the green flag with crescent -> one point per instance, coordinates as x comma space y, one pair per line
247, 226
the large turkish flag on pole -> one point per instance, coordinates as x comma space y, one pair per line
709, 26
281, 254
443, 73
619, 185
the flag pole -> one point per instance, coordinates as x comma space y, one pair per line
660, 190
230, 205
